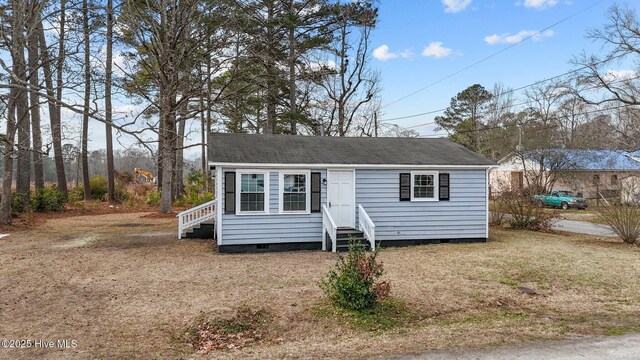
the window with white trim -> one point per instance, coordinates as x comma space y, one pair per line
294, 192
252, 197
424, 186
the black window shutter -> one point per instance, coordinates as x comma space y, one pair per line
316, 191
405, 187
443, 184
230, 192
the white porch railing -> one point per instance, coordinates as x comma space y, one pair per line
328, 227
367, 227
196, 215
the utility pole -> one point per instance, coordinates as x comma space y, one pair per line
321, 121
375, 123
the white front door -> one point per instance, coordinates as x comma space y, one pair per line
341, 197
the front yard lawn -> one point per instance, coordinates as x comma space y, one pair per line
124, 287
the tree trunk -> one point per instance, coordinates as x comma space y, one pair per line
34, 81
87, 94
168, 121
271, 74
111, 187
203, 140
293, 109
55, 116
23, 168
159, 154
209, 182
7, 178
343, 85
179, 181
53, 119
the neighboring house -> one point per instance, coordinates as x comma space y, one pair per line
281, 192
585, 172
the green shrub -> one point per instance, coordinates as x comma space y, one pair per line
353, 283
18, 205
47, 199
194, 199
194, 194
153, 198
76, 194
98, 187
122, 194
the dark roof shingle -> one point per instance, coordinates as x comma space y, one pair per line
290, 149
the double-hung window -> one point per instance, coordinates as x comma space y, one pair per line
295, 194
254, 196
424, 186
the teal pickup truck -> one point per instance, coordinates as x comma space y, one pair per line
561, 199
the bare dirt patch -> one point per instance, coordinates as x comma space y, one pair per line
130, 290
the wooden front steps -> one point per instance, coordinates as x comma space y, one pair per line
343, 235
204, 230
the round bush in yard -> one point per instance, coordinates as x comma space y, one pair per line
353, 283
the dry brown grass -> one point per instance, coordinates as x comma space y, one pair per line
124, 287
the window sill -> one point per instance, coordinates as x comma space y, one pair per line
294, 213
242, 213
424, 200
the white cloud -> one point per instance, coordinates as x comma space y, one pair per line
382, 53
619, 75
507, 38
539, 4
435, 49
454, 6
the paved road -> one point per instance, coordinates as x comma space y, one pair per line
583, 227
625, 347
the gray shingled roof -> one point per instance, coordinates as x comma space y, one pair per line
290, 149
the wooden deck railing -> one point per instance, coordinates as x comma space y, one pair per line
196, 215
366, 225
328, 228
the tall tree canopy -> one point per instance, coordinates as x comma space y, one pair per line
463, 118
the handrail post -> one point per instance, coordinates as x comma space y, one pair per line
366, 225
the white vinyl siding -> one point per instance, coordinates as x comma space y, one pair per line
377, 190
273, 227
463, 216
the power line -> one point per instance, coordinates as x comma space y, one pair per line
494, 54
522, 87
511, 125
505, 107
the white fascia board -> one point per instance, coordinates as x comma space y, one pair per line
347, 166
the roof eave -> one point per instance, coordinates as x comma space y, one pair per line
351, 166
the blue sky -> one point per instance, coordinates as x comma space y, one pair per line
458, 33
